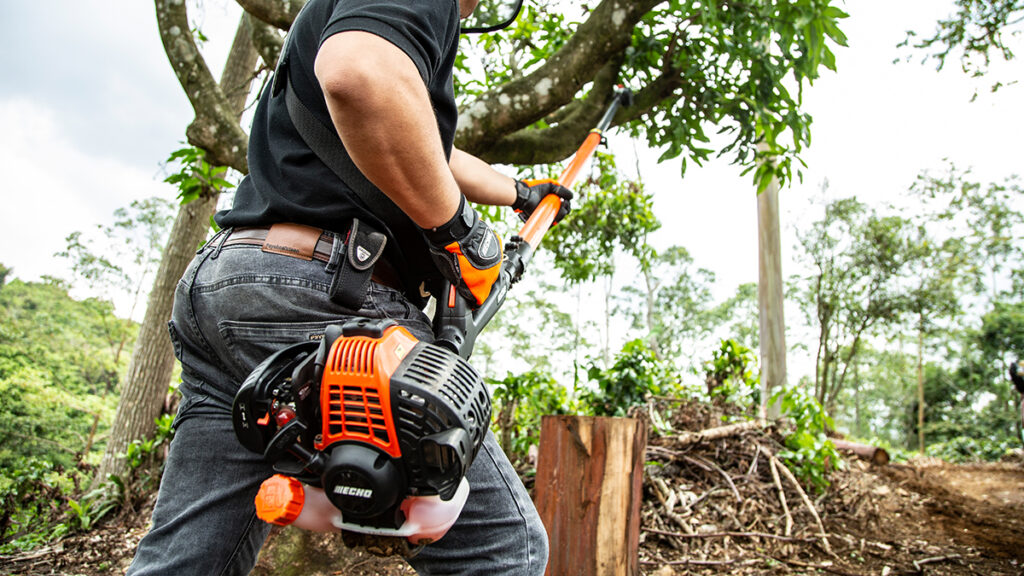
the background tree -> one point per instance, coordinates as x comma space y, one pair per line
675, 311
137, 236
152, 362
935, 276
857, 258
739, 316
613, 217
987, 216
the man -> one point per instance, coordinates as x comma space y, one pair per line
379, 72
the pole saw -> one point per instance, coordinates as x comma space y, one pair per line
372, 431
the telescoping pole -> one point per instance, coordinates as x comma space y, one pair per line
456, 326
537, 226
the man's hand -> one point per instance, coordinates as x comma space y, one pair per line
529, 193
467, 252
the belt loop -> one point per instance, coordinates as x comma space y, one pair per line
224, 233
337, 253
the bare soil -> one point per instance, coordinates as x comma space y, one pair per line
715, 508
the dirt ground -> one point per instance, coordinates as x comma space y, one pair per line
924, 517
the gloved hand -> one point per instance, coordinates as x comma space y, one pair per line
467, 252
529, 193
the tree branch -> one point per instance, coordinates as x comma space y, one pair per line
216, 128
278, 13
268, 42
518, 104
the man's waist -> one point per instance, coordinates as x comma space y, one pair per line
306, 243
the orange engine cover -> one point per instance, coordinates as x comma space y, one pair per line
355, 394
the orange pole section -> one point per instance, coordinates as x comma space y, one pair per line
535, 228
568, 177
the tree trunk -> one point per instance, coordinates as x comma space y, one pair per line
857, 416
649, 300
770, 298
873, 454
152, 362
149, 372
920, 391
588, 491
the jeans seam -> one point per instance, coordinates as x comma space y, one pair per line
270, 279
238, 545
519, 508
193, 320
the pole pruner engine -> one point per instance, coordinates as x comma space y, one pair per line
382, 425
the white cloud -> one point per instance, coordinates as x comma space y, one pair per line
52, 188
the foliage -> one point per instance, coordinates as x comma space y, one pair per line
519, 402
858, 258
675, 301
635, 375
145, 459
739, 67
976, 31
30, 503
196, 177
58, 382
808, 453
731, 375
979, 380
57, 372
968, 449
610, 215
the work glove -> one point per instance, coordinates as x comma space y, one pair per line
529, 193
467, 252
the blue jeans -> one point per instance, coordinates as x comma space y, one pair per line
234, 306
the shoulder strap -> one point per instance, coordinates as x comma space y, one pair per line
325, 144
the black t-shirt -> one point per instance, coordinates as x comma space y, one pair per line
287, 182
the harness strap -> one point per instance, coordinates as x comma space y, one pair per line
324, 142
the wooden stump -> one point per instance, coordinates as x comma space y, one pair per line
588, 492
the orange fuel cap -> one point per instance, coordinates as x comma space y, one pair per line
280, 500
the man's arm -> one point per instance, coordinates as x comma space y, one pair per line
382, 112
480, 182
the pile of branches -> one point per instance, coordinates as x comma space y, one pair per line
718, 498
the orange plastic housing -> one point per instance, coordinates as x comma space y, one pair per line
355, 393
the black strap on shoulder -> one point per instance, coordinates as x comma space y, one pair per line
325, 144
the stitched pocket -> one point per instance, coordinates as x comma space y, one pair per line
249, 343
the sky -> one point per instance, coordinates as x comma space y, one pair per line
90, 109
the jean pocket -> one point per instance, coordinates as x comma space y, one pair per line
249, 343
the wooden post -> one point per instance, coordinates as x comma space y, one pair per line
588, 492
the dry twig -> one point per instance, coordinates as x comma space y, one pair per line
782, 493
807, 502
688, 438
731, 535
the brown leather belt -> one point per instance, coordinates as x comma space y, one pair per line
305, 243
